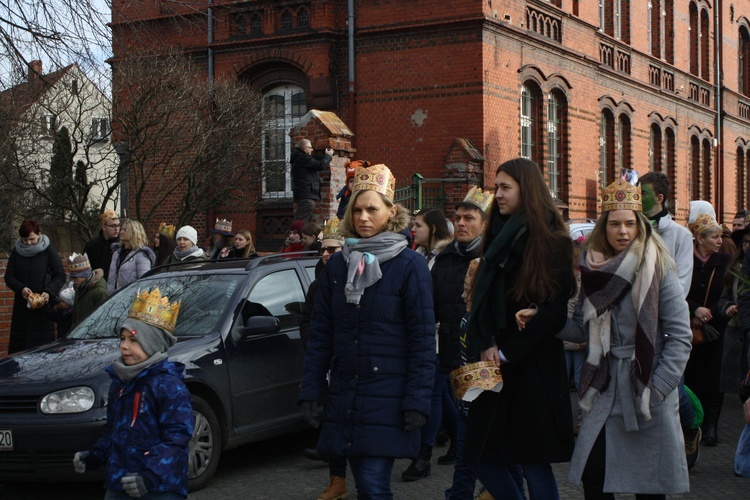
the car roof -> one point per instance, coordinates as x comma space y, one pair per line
228, 265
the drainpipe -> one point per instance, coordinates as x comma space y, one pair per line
719, 122
210, 49
350, 23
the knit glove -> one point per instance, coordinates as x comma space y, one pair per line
312, 411
134, 485
79, 461
414, 420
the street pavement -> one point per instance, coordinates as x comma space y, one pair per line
277, 470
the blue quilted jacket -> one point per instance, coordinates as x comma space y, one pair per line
149, 425
381, 357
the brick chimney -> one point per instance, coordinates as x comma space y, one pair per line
35, 71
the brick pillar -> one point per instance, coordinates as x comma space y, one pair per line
464, 168
325, 129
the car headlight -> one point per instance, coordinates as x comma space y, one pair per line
74, 400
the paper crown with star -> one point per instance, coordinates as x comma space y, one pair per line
480, 199
79, 266
621, 195
331, 229
376, 178
155, 309
167, 230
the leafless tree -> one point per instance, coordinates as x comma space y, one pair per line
179, 141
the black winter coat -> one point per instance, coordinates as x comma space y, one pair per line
448, 273
381, 357
305, 177
42, 272
529, 421
99, 252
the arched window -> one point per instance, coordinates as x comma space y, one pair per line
303, 18
695, 168
624, 158
614, 18
668, 32
531, 121
694, 39
655, 148
741, 180
706, 181
256, 25
744, 61
670, 164
557, 109
705, 50
285, 105
607, 148
286, 20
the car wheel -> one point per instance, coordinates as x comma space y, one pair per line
205, 445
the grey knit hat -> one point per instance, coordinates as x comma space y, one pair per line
151, 338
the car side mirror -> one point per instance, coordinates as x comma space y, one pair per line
260, 325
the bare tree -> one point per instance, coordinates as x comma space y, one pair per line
181, 142
44, 120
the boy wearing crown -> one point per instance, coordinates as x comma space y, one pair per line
90, 287
149, 415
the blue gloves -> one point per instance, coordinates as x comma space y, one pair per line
312, 412
134, 485
79, 461
414, 420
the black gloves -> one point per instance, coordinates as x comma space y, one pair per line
312, 412
414, 420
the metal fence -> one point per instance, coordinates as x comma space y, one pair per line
421, 193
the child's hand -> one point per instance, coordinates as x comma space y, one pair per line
79, 461
523, 316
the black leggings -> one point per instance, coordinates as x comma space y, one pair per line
593, 475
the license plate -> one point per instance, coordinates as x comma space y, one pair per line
6, 440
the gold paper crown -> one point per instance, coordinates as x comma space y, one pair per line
78, 262
479, 198
167, 229
152, 308
377, 178
621, 195
108, 215
223, 225
331, 229
470, 380
703, 223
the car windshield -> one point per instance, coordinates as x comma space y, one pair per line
204, 298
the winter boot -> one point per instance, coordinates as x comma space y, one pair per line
336, 489
420, 468
450, 456
711, 420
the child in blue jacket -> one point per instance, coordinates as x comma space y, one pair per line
149, 415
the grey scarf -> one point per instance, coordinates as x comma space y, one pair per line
31, 250
129, 373
364, 257
193, 250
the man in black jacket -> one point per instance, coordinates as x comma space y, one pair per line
99, 248
305, 178
448, 273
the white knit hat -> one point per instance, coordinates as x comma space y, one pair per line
188, 232
700, 207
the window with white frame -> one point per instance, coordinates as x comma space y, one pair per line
554, 140
100, 129
47, 125
285, 106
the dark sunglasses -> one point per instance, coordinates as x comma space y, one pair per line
330, 250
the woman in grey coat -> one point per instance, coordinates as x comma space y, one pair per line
633, 314
131, 257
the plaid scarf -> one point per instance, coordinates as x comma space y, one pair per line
604, 283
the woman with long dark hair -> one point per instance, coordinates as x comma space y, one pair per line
634, 318
34, 267
431, 233
527, 263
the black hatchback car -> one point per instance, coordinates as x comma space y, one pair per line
238, 336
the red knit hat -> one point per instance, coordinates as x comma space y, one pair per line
297, 226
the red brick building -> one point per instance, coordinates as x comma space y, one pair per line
583, 88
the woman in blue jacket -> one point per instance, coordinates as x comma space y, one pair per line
373, 329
